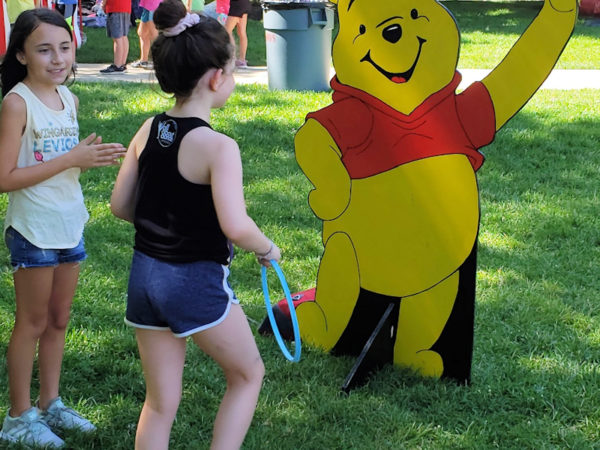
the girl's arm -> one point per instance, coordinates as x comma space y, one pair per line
228, 196
88, 153
123, 195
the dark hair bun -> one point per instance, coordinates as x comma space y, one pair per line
180, 60
168, 14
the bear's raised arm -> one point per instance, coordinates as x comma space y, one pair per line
531, 59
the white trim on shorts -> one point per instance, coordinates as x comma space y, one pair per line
144, 327
231, 300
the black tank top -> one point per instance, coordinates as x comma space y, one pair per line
175, 220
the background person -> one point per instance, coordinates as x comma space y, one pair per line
146, 32
195, 5
117, 27
69, 10
218, 9
238, 19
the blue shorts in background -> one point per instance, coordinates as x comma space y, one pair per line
146, 16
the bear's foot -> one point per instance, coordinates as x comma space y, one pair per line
426, 362
313, 326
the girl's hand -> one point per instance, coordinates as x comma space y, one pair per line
273, 253
91, 152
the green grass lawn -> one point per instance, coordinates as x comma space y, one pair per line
536, 363
488, 31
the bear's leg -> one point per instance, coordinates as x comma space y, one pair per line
422, 319
323, 321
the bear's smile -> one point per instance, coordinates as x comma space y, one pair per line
400, 77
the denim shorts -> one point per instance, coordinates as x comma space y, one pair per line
147, 16
24, 254
182, 297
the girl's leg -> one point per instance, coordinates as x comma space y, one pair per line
52, 342
33, 288
231, 344
152, 34
242, 37
163, 356
141, 32
121, 50
147, 33
230, 24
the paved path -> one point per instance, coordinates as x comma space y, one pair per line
558, 79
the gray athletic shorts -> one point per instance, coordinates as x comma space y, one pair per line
117, 24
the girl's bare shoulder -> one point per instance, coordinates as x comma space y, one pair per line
211, 141
13, 103
13, 113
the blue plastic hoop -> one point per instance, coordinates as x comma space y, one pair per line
274, 326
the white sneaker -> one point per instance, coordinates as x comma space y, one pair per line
29, 429
142, 64
58, 416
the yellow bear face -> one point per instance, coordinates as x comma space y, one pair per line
399, 51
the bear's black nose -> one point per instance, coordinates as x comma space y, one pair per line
392, 33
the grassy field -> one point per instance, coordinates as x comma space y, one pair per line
488, 31
536, 364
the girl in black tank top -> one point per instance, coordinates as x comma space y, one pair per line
181, 186
166, 227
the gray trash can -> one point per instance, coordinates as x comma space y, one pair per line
298, 41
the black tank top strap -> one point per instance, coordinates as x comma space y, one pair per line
169, 131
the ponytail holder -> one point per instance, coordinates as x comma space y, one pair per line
188, 21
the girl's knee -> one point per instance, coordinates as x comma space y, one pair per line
258, 370
252, 373
33, 325
163, 405
59, 321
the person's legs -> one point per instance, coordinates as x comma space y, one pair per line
163, 357
230, 24
121, 50
242, 37
116, 50
125, 49
141, 34
117, 27
231, 344
152, 34
147, 33
52, 342
33, 288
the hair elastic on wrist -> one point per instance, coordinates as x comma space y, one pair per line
264, 255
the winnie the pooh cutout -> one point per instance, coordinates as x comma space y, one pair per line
393, 162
